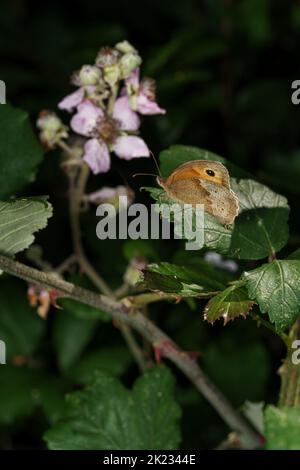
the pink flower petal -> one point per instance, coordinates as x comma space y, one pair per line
129, 120
71, 101
134, 79
129, 146
84, 121
96, 155
146, 106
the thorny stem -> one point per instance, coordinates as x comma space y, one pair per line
76, 192
148, 330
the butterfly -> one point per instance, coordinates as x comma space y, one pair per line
203, 182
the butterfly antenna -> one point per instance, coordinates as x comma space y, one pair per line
156, 163
144, 174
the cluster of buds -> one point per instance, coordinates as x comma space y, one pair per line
107, 104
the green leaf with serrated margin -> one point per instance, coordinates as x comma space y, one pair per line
276, 288
108, 416
229, 304
19, 219
261, 229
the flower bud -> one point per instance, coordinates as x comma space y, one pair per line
133, 274
107, 57
129, 62
125, 47
112, 74
52, 128
89, 75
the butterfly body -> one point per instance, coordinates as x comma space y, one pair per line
203, 182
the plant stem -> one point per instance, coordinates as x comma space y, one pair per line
290, 373
285, 338
148, 330
76, 192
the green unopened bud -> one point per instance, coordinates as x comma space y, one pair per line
112, 74
52, 128
128, 63
133, 274
89, 75
125, 47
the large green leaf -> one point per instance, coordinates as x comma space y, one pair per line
228, 304
20, 327
22, 390
107, 416
276, 288
282, 428
20, 152
16, 393
261, 228
19, 219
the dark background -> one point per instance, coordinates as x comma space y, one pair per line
224, 71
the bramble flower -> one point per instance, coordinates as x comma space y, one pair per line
142, 94
106, 105
107, 134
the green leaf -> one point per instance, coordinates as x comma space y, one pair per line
17, 397
20, 327
185, 282
229, 304
107, 416
216, 236
111, 360
20, 152
276, 288
22, 390
19, 219
262, 225
282, 428
70, 337
295, 254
